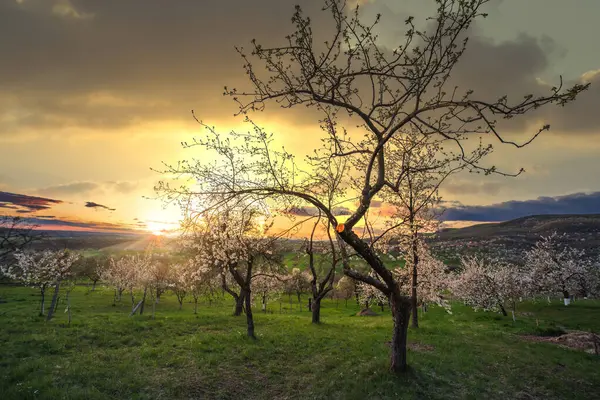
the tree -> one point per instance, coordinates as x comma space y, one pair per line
118, 275
414, 196
268, 287
323, 267
181, 281
15, 234
389, 92
434, 279
556, 267
92, 268
346, 288
234, 242
488, 284
42, 270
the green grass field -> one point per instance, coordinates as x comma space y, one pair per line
105, 354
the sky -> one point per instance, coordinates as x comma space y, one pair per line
95, 95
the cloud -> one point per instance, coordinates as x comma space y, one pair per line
302, 211
577, 203
340, 211
26, 203
91, 204
50, 222
461, 188
87, 187
168, 59
69, 189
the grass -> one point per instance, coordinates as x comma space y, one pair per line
105, 354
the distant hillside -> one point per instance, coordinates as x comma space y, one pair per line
515, 236
533, 225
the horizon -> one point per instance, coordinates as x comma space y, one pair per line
81, 131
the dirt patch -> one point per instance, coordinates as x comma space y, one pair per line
367, 312
578, 340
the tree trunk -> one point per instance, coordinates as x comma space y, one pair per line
249, 318
143, 301
310, 304
566, 298
136, 308
239, 303
154, 305
43, 302
401, 313
69, 306
195, 304
316, 311
94, 285
414, 300
54, 302
503, 310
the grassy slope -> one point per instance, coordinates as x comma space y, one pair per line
106, 354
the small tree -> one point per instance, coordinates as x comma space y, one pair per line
434, 280
181, 281
488, 284
92, 268
42, 270
345, 287
556, 267
118, 275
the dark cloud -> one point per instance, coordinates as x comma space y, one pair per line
112, 63
134, 61
91, 204
26, 203
53, 223
577, 203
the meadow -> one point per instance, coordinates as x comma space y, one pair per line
105, 354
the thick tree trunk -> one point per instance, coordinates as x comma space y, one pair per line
249, 318
401, 314
316, 311
54, 302
239, 303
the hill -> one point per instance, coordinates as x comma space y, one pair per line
515, 236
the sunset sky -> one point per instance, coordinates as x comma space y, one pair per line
95, 93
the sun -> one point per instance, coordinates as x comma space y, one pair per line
158, 228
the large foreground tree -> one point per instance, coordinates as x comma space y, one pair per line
351, 79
